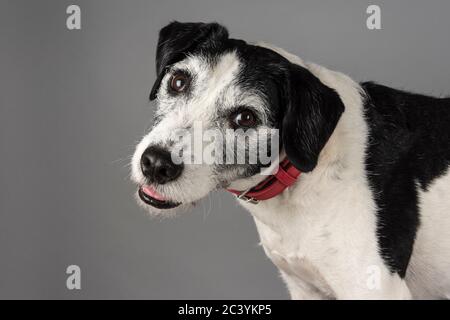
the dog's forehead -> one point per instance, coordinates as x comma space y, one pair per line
221, 78
220, 68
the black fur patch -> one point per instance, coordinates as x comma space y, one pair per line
409, 144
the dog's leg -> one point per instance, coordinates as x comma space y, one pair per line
346, 284
300, 290
387, 287
398, 290
395, 289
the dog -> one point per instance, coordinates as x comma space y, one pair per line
359, 206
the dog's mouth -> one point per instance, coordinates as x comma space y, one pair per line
150, 196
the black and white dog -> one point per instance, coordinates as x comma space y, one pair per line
369, 216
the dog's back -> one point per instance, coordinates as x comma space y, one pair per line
407, 160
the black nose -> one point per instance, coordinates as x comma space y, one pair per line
157, 165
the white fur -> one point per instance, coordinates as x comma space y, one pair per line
428, 274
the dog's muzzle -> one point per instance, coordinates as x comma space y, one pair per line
158, 168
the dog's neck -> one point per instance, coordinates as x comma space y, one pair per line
341, 163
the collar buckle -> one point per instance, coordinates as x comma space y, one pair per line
242, 196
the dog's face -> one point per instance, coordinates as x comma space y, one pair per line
207, 82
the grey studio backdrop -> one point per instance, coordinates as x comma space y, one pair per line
74, 103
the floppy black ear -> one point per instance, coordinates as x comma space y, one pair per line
312, 113
177, 39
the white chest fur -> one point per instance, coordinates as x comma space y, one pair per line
315, 232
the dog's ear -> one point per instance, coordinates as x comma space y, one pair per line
176, 40
311, 115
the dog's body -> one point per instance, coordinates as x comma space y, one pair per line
324, 234
370, 217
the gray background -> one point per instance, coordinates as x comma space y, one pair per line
73, 104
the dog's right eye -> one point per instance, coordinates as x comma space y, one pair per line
243, 119
179, 82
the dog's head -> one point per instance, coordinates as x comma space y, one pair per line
208, 82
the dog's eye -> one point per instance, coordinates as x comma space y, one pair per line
243, 119
179, 82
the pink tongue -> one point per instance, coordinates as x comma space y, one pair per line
148, 190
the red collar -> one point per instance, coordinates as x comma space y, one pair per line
272, 186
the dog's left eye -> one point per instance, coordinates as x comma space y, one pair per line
243, 119
179, 82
